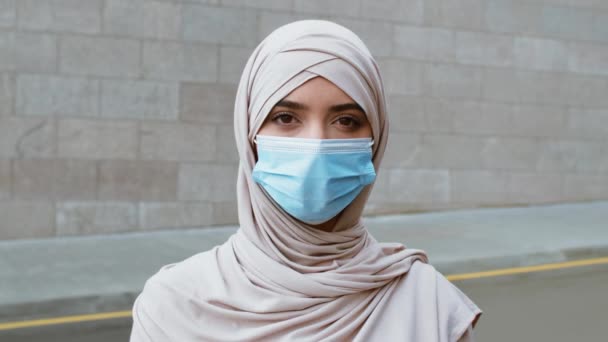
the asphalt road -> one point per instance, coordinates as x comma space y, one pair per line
566, 305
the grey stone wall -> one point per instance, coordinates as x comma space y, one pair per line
116, 115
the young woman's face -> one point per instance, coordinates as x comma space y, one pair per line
317, 109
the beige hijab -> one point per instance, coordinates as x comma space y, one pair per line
280, 279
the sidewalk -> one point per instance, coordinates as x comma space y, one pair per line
55, 277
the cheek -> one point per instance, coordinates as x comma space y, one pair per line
366, 132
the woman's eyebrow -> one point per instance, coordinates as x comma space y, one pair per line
335, 108
291, 105
346, 106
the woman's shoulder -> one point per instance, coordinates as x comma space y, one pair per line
168, 298
452, 305
183, 274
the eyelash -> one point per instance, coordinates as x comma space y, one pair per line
275, 117
356, 122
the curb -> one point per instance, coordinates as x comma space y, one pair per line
123, 301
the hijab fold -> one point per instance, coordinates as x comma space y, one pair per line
280, 279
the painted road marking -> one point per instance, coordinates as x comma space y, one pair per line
528, 269
453, 277
65, 320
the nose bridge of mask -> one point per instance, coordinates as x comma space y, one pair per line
313, 179
321, 146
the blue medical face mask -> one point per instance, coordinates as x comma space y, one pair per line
313, 179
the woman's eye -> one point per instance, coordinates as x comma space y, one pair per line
348, 122
284, 119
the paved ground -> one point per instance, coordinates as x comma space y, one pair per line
549, 307
545, 307
48, 278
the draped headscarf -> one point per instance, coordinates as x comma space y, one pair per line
280, 279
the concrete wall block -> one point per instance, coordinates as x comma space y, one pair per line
180, 62
529, 87
600, 27
142, 18
453, 81
594, 4
35, 52
484, 49
88, 139
139, 100
373, 33
600, 162
512, 16
85, 218
404, 11
99, 56
208, 103
588, 58
137, 180
474, 117
466, 14
510, 153
380, 188
403, 150
171, 215
18, 222
269, 21
402, 77
419, 186
407, 113
225, 213
343, 8
7, 51
585, 187
586, 90
439, 115
26, 138
207, 182
261, 4
177, 142
226, 145
7, 94
232, 26
44, 95
232, 63
58, 179
542, 88
82, 16
534, 188
206, 2
587, 123
539, 121
450, 151
541, 54
479, 186
441, 45
566, 22
572, 156
430, 43
411, 41
5, 179
8, 13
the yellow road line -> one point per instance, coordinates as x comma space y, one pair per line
65, 320
528, 269
453, 277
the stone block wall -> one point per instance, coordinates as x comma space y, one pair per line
116, 115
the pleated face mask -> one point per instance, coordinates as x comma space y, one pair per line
313, 179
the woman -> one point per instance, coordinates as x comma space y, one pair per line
311, 129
